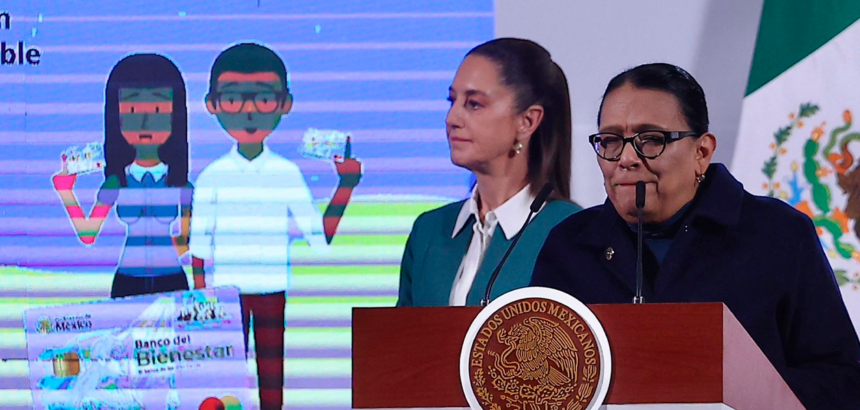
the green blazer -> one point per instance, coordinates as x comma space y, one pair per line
432, 258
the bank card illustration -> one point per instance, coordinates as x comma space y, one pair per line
153, 351
83, 160
324, 144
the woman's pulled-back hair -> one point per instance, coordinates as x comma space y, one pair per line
670, 79
535, 79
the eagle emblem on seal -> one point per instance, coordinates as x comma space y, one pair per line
544, 353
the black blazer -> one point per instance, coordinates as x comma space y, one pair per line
759, 256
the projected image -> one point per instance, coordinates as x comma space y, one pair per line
278, 150
156, 351
146, 175
245, 198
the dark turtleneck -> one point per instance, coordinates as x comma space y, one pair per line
658, 238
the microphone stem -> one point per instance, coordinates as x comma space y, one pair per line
486, 300
638, 298
536, 205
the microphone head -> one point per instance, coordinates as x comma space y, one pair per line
541, 197
640, 195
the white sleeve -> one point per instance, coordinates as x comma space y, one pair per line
305, 212
203, 207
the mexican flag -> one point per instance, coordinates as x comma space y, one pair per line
797, 139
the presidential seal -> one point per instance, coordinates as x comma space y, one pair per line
535, 349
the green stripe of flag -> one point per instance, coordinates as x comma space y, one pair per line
790, 30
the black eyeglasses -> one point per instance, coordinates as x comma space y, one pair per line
648, 144
264, 102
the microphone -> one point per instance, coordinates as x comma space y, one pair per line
535, 206
640, 203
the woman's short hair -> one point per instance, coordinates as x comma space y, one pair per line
670, 79
528, 69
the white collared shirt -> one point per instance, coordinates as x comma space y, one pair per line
510, 215
137, 171
241, 217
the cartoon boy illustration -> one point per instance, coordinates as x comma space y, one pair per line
243, 202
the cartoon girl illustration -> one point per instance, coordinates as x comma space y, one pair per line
146, 175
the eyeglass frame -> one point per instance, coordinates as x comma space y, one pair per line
280, 97
670, 136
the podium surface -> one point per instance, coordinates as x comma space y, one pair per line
691, 356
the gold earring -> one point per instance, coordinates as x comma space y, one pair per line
518, 147
700, 178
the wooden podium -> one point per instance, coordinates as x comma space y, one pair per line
695, 354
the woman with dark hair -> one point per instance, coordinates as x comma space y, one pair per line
146, 175
705, 238
509, 123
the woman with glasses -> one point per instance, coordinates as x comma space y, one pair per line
509, 123
705, 238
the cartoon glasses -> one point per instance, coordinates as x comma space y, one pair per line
264, 102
